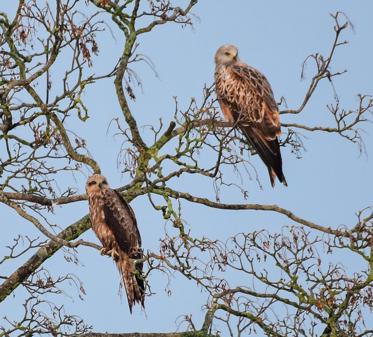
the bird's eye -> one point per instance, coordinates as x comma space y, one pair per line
91, 183
227, 53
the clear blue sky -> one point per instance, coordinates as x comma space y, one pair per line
328, 185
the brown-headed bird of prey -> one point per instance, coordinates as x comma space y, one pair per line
246, 99
114, 223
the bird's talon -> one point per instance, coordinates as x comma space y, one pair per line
113, 253
103, 251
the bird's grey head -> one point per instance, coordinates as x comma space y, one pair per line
95, 183
226, 54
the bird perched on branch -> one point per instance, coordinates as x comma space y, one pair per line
114, 223
246, 99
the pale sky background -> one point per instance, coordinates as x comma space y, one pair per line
328, 185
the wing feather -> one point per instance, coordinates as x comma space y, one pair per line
255, 99
121, 219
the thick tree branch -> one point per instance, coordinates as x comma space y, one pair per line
44, 201
149, 334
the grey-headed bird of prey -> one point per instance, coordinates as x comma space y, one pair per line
246, 99
114, 223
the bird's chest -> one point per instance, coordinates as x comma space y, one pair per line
230, 88
99, 224
222, 82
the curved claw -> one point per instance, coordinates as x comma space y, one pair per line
113, 253
110, 252
104, 251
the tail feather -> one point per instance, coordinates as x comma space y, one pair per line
269, 152
132, 279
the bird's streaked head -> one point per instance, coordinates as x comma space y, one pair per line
95, 183
226, 54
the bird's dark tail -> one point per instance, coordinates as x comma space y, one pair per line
268, 151
132, 278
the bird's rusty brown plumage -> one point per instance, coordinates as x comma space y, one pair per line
246, 99
114, 223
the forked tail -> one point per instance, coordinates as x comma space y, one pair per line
132, 279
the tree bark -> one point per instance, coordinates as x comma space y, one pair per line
149, 334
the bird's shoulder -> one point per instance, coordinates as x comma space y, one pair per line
249, 74
256, 82
117, 204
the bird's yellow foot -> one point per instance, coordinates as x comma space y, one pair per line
113, 253
104, 251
